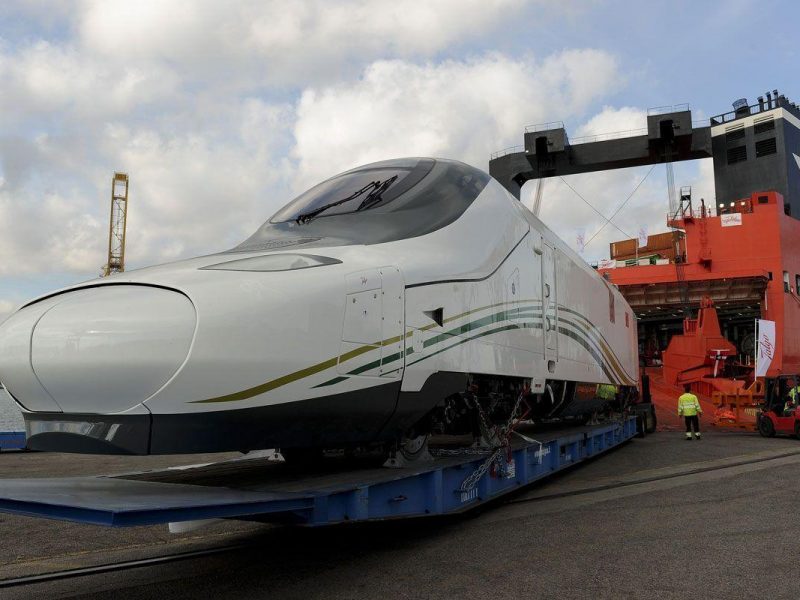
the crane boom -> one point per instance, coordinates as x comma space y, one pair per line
117, 223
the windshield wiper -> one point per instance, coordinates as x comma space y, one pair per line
375, 195
306, 217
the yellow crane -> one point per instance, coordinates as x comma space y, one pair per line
116, 228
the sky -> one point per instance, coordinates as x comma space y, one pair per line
221, 112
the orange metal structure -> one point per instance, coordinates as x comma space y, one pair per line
746, 256
697, 356
660, 244
738, 408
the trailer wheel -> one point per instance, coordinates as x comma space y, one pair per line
641, 426
765, 426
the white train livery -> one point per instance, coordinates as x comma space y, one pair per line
374, 306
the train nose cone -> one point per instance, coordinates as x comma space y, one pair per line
107, 349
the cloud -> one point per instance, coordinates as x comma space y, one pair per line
45, 83
456, 109
205, 174
197, 193
282, 43
609, 121
108, 59
220, 113
55, 232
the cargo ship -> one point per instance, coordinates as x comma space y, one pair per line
700, 287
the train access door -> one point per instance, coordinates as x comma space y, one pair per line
549, 302
374, 324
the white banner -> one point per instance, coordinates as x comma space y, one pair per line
580, 240
606, 263
731, 220
765, 349
642, 237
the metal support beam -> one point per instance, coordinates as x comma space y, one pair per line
669, 137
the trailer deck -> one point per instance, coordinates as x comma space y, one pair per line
263, 489
12, 440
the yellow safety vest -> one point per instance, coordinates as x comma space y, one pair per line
688, 405
793, 392
606, 391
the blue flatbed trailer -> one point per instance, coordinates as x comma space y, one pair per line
261, 489
12, 440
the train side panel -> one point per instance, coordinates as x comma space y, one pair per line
504, 325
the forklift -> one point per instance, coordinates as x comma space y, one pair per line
776, 417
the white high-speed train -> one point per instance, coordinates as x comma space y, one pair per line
373, 306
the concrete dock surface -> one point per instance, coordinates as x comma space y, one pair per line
659, 517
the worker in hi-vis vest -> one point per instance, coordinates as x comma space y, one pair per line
794, 390
689, 408
791, 398
606, 391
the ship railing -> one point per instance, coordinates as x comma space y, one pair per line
753, 109
505, 151
615, 135
645, 260
662, 110
544, 126
696, 213
602, 137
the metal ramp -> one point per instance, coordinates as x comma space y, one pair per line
264, 490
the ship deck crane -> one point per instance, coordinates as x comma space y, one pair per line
117, 225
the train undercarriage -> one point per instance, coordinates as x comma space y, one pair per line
489, 413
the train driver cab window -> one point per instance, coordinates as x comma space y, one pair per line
373, 204
786, 286
354, 191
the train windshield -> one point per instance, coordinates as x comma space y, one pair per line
354, 191
376, 203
